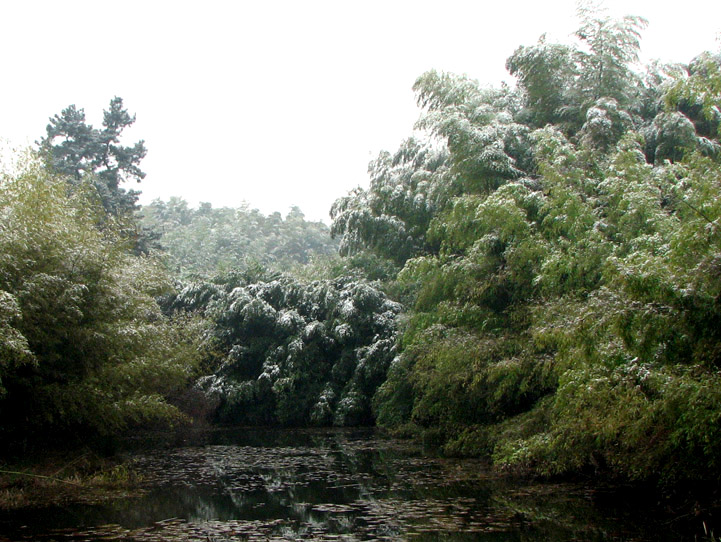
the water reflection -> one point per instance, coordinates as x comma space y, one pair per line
332, 485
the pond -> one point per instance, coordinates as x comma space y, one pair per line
255, 485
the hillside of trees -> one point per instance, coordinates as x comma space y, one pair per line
204, 242
533, 276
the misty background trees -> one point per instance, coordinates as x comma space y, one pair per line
205, 241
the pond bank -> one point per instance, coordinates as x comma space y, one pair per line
252, 484
56, 478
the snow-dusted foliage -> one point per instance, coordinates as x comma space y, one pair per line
391, 218
566, 299
207, 240
84, 346
297, 353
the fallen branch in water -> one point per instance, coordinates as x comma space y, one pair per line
2, 471
77, 459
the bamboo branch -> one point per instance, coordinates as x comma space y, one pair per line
52, 478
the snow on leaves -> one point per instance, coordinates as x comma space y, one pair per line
298, 353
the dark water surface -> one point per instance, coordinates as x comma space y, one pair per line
337, 485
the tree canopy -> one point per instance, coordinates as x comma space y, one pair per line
563, 260
73, 148
207, 241
295, 352
85, 346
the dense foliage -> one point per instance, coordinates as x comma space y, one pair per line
562, 240
557, 247
84, 346
205, 241
295, 352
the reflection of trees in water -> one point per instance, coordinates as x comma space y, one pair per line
342, 484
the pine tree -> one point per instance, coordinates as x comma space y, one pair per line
73, 148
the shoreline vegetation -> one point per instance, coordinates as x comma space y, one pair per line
59, 478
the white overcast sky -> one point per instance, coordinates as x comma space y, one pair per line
278, 103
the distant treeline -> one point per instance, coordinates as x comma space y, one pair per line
207, 241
